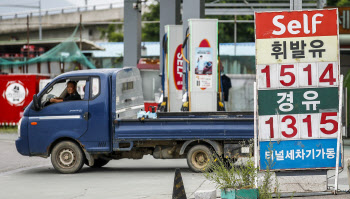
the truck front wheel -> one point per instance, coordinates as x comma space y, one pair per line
198, 158
67, 157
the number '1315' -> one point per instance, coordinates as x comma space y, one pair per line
307, 125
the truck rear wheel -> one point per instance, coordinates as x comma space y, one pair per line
198, 158
67, 157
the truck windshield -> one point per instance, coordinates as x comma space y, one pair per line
58, 90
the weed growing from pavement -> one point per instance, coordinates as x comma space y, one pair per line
265, 188
227, 175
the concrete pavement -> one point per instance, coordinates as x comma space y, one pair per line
11, 160
31, 177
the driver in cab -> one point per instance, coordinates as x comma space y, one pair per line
72, 93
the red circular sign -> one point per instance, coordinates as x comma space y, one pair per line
178, 68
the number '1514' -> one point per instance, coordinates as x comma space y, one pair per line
302, 74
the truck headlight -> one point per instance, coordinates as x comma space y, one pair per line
19, 128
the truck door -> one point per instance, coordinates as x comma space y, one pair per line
97, 138
67, 118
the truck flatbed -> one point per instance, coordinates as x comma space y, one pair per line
186, 126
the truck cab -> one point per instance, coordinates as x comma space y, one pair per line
85, 122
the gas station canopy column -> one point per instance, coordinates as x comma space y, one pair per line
192, 9
296, 4
132, 32
169, 15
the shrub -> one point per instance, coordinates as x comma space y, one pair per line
227, 175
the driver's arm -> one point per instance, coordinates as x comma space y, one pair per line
55, 100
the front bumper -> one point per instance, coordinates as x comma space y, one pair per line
22, 146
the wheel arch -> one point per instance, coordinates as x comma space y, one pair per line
214, 144
61, 139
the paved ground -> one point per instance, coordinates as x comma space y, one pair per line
33, 177
340, 196
11, 160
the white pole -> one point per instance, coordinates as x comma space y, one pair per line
40, 28
235, 35
339, 133
296, 5
346, 111
255, 137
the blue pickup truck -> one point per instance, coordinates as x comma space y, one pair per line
102, 125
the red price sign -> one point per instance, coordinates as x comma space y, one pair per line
296, 24
296, 37
297, 75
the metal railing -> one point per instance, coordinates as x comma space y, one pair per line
248, 7
53, 11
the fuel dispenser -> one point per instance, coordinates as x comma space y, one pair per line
174, 67
202, 74
197, 87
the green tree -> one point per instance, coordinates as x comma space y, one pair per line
111, 33
245, 31
340, 3
150, 31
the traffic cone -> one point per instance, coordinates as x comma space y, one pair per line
179, 189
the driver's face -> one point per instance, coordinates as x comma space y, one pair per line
71, 88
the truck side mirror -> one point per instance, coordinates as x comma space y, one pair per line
36, 102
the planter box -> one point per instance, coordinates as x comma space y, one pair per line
240, 194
